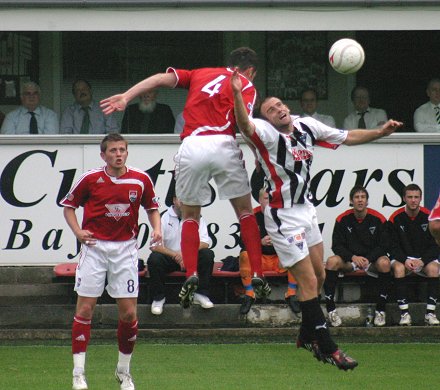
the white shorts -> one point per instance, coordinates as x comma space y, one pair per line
292, 230
201, 158
115, 260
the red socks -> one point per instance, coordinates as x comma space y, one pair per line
190, 244
80, 334
251, 239
127, 333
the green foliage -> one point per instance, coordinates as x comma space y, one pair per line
224, 367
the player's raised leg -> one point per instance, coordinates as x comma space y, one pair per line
190, 243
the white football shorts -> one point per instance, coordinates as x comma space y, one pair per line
292, 230
202, 158
115, 260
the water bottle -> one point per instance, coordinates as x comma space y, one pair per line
369, 321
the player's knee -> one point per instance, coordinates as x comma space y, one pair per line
383, 264
333, 263
431, 270
85, 310
128, 315
398, 269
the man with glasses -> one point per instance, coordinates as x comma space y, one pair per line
31, 117
309, 106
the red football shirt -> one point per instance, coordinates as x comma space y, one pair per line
111, 205
209, 107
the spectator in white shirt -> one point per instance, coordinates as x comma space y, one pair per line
85, 116
31, 117
166, 257
309, 105
427, 116
364, 116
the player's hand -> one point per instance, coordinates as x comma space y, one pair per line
113, 103
156, 238
360, 261
414, 265
266, 241
390, 127
236, 83
86, 238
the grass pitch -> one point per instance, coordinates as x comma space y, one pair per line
224, 367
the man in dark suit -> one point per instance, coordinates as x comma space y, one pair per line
148, 116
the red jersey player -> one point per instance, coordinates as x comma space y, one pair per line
111, 197
434, 221
208, 150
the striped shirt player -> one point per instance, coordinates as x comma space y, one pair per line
285, 146
286, 160
111, 197
208, 151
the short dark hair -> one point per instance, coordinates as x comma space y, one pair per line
411, 187
112, 137
309, 89
358, 88
243, 58
77, 81
356, 189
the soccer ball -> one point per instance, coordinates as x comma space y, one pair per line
346, 56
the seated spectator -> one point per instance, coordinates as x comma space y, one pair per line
148, 116
364, 116
269, 262
309, 105
166, 257
413, 250
85, 116
427, 116
359, 242
31, 117
180, 122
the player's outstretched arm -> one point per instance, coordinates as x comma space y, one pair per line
362, 136
241, 115
119, 102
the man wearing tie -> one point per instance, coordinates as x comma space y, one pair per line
85, 116
364, 116
427, 116
31, 117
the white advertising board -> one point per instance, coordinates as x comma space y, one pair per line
34, 177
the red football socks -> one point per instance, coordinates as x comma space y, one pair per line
190, 244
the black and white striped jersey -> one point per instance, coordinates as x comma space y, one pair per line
287, 158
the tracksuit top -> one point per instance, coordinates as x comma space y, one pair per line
366, 237
410, 237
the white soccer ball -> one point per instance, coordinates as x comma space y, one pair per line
346, 56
